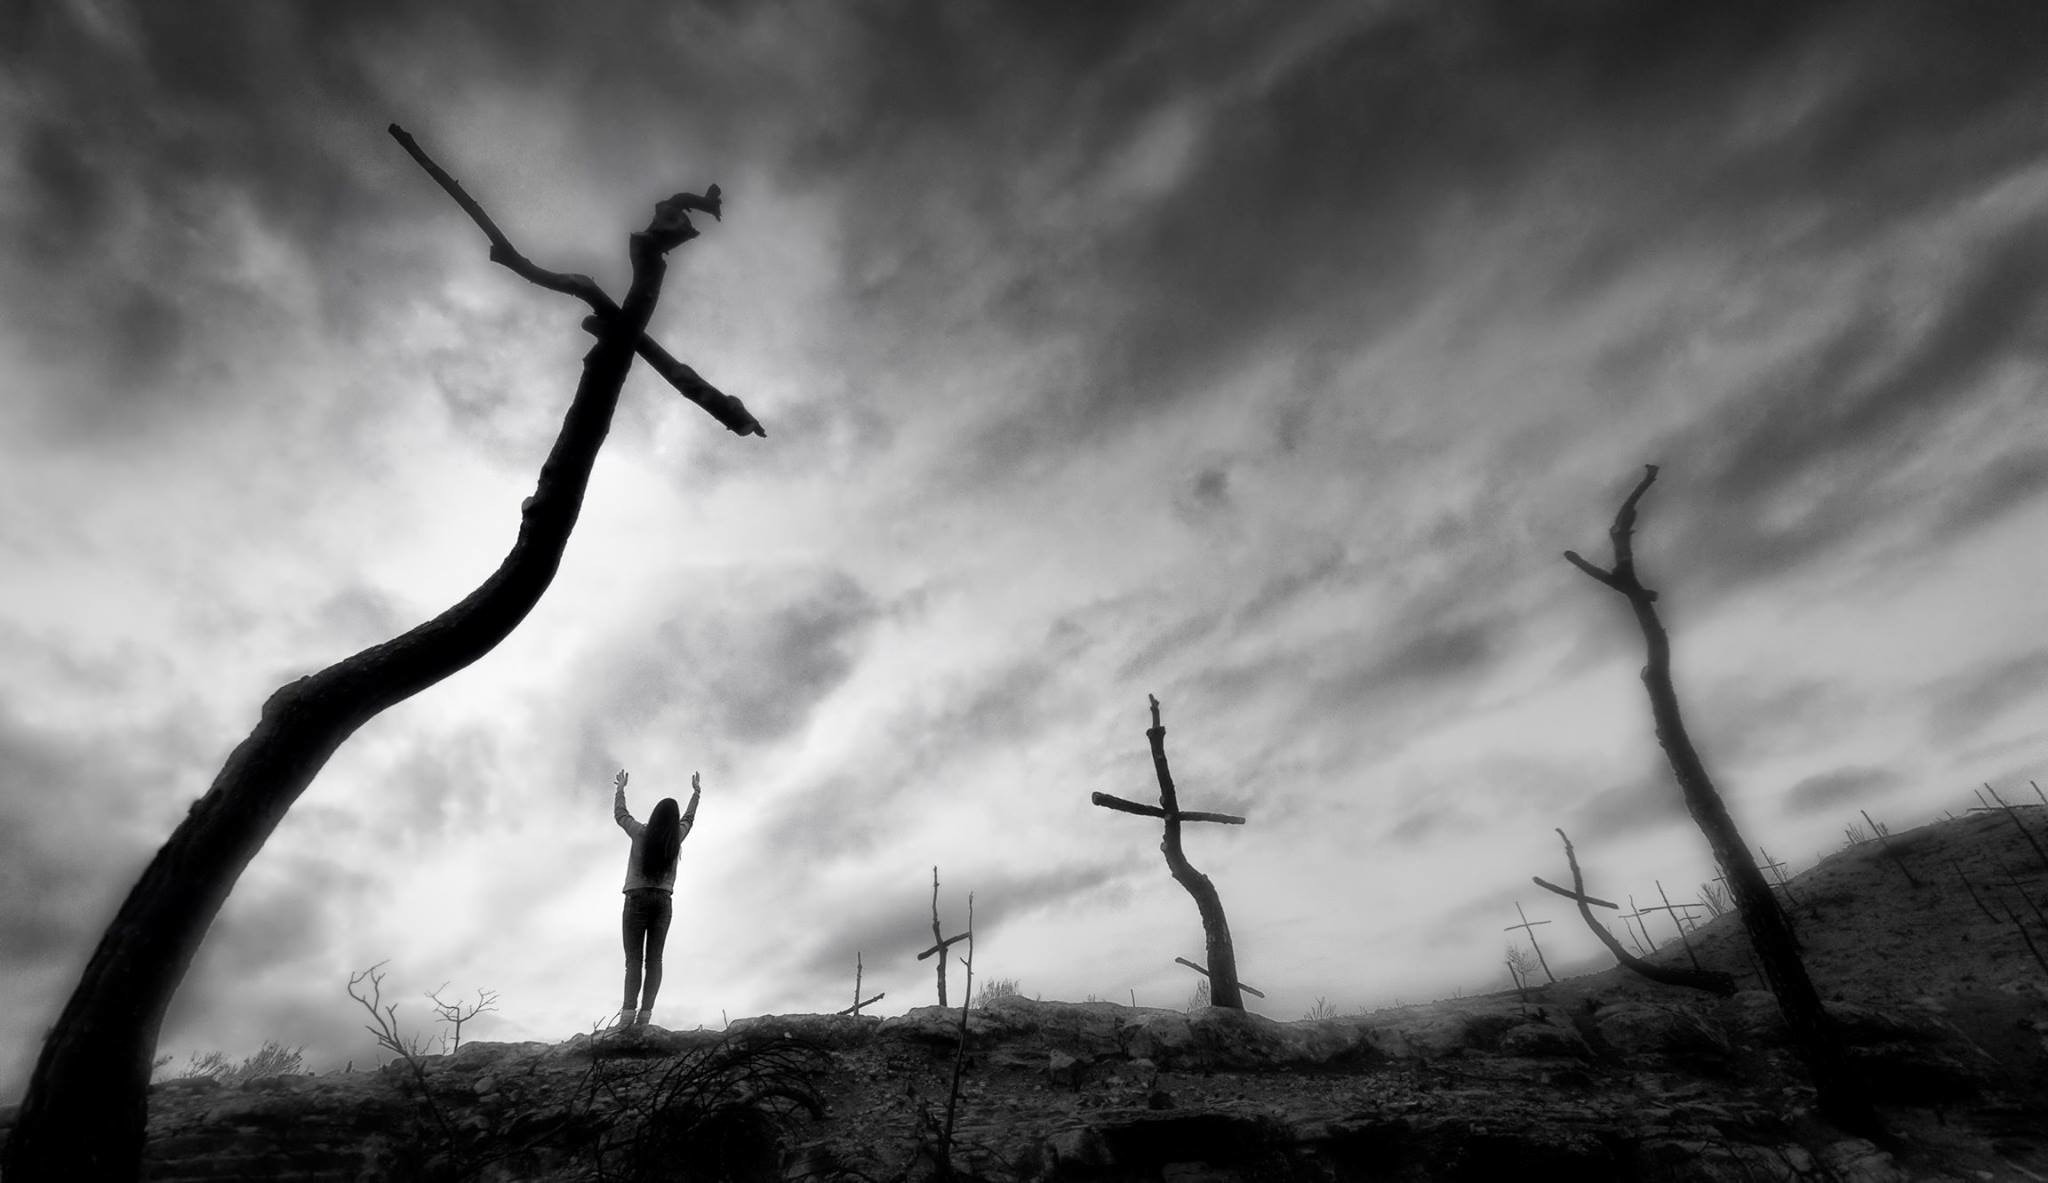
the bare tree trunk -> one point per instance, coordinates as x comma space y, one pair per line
1222, 957
1841, 1095
85, 1113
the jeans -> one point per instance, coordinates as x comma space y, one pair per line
644, 923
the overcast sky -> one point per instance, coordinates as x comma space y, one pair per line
1262, 358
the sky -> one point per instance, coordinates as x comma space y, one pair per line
1263, 359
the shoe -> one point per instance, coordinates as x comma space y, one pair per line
645, 1016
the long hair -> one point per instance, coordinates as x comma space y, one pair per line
662, 839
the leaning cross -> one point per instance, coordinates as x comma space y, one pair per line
1529, 926
1224, 988
1777, 870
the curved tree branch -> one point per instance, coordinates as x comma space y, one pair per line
1712, 981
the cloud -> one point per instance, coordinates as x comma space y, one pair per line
1961, 706
743, 653
1629, 809
1840, 788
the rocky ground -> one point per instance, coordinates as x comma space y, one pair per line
1600, 1077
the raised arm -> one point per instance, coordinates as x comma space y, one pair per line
620, 813
690, 813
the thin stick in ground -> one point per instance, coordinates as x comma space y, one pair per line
960, 1056
1885, 840
2012, 813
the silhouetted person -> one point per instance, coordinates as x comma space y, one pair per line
650, 892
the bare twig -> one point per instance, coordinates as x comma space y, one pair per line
2013, 814
2031, 947
460, 1012
1981, 906
1885, 841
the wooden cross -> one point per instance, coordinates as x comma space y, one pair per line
943, 941
1674, 910
1777, 870
1529, 926
1224, 988
1636, 914
854, 1010
1205, 973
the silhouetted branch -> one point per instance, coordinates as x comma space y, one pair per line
671, 224
1205, 973
718, 404
1981, 906
85, 1112
1187, 815
1884, 840
1574, 896
2013, 814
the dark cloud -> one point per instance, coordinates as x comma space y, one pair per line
1843, 788
1754, 715
742, 654
1984, 496
1325, 567
1628, 809
998, 710
72, 844
1809, 458
1961, 706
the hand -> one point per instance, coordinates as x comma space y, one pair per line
620, 780
695, 788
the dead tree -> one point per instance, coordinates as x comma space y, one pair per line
1841, 1095
1712, 981
85, 1111
939, 943
1222, 958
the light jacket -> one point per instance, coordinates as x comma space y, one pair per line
637, 832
